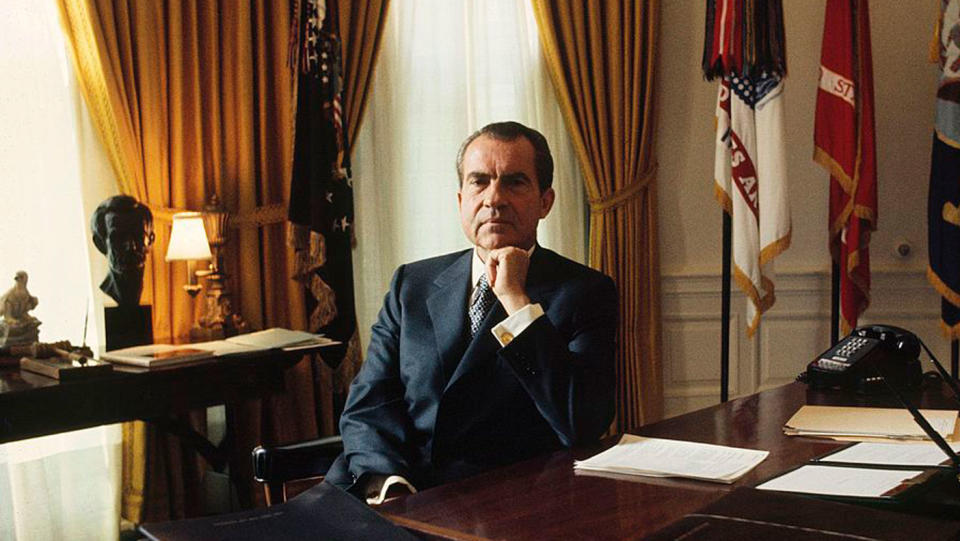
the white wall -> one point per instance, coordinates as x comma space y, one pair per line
797, 327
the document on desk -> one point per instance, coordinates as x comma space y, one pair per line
841, 481
285, 339
275, 338
857, 423
924, 454
655, 457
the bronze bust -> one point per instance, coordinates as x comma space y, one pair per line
123, 231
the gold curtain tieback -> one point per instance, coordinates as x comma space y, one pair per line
623, 195
261, 216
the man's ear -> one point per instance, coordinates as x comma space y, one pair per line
546, 202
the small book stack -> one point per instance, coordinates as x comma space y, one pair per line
152, 355
65, 369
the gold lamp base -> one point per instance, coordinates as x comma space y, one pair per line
218, 320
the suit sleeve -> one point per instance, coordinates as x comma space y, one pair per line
375, 422
571, 376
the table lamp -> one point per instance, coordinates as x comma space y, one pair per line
188, 242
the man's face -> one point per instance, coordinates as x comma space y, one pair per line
499, 199
129, 239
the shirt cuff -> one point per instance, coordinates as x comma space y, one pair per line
378, 488
507, 329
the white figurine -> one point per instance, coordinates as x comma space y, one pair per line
17, 325
17, 301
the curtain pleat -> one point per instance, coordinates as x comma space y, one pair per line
601, 59
194, 98
361, 31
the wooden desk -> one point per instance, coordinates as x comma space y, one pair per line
545, 499
33, 405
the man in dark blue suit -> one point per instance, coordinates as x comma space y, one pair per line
488, 356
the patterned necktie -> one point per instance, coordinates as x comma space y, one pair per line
483, 299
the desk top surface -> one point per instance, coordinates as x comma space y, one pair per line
544, 498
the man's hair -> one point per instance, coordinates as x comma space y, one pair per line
116, 204
510, 131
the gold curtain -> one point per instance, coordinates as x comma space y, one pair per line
601, 58
361, 29
193, 98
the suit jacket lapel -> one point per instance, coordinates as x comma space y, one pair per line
447, 306
484, 345
540, 279
481, 347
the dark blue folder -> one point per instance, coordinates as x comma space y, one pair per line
323, 512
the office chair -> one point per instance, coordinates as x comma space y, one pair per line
302, 461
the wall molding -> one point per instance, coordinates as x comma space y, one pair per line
794, 330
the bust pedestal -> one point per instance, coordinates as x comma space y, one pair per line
128, 326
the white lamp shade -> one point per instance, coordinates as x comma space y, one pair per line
188, 238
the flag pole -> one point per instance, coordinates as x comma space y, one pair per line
834, 304
725, 310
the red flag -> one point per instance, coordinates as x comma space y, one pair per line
844, 145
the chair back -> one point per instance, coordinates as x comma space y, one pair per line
309, 460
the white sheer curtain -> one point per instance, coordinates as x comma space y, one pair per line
64, 486
447, 68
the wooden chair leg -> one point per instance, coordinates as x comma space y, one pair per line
274, 493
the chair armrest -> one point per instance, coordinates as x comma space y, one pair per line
295, 461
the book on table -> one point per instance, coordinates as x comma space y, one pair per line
65, 369
152, 355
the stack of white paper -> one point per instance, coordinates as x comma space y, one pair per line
637, 455
274, 338
893, 454
841, 481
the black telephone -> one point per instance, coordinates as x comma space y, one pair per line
854, 361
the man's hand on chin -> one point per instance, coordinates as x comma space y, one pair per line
507, 272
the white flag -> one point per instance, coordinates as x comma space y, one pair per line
751, 183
